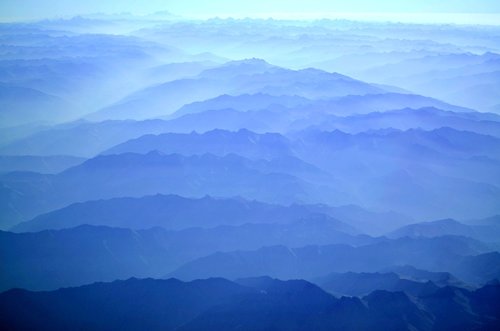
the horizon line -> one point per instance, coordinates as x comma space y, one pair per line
428, 18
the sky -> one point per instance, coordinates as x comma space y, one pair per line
37, 9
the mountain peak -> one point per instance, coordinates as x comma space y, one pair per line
250, 62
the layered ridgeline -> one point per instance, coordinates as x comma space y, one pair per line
155, 147
40, 164
235, 77
143, 174
367, 112
459, 255
246, 304
86, 254
308, 249
466, 79
176, 213
410, 172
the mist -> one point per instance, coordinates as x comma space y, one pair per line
218, 170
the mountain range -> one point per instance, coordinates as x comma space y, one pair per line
248, 304
175, 213
161, 172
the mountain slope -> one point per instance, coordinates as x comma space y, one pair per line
487, 233
249, 304
251, 76
435, 254
217, 142
42, 164
21, 106
136, 175
132, 304
172, 212
175, 212
85, 254
242, 103
359, 284
428, 118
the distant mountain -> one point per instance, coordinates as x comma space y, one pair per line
492, 220
404, 119
378, 102
477, 91
471, 80
444, 140
255, 76
361, 61
379, 170
168, 211
261, 121
243, 103
367, 112
11, 134
369, 222
450, 308
252, 76
486, 233
87, 139
261, 112
173, 71
42, 37
407, 170
359, 284
133, 304
418, 187
249, 304
136, 175
87, 254
438, 278
81, 138
479, 269
90, 138
217, 142
9, 215
140, 146
21, 106
163, 99
232, 69
160, 100
285, 113
309, 83
175, 213
441, 65
50, 259
436, 254
42, 164
87, 70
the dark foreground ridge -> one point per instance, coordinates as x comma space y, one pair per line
247, 304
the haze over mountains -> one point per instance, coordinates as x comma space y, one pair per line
244, 174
